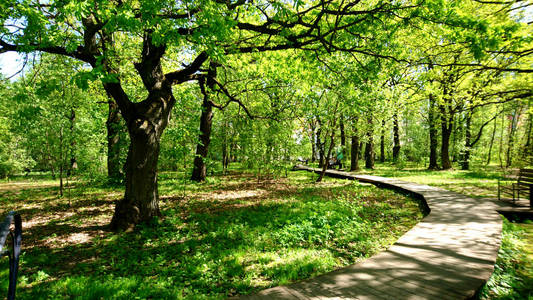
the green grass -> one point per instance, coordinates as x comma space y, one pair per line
513, 272
232, 235
473, 183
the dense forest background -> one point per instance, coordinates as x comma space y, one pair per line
51, 124
122, 90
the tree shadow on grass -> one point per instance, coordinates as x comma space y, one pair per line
232, 247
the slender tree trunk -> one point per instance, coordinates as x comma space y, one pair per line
512, 133
320, 146
343, 140
489, 155
114, 169
465, 157
343, 135
528, 149
369, 149
313, 142
325, 165
500, 148
382, 142
61, 161
354, 164
396, 137
225, 155
73, 162
206, 121
433, 142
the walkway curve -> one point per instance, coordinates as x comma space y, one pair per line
448, 255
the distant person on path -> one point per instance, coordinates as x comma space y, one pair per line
340, 156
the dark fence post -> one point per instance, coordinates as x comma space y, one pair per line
16, 242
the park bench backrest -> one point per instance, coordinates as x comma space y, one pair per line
525, 176
16, 241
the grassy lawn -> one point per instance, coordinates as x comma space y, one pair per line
473, 183
234, 234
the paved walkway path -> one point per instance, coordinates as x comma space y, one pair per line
448, 255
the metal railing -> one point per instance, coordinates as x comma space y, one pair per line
14, 254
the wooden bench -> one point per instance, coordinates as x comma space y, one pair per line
524, 185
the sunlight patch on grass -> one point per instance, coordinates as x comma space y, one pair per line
235, 234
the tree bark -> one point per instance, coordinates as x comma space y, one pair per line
382, 142
465, 157
433, 142
445, 146
320, 146
396, 138
512, 131
489, 155
73, 162
313, 144
354, 164
146, 121
202, 148
343, 135
500, 148
145, 127
369, 149
528, 146
331, 145
61, 161
225, 154
114, 128
446, 128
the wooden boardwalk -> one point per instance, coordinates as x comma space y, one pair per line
448, 255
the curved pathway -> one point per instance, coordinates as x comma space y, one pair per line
448, 255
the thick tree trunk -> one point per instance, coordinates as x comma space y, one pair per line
445, 147
446, 128
382, 143
202, 148
369, 149
141, 199
396, 138
114, 169
354, 164
146, 122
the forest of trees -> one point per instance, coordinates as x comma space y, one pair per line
124, 89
